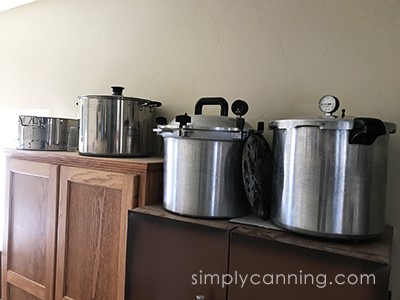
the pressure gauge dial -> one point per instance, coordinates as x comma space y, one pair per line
328, 104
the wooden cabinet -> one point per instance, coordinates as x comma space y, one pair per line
30, 230
173, 257
92, 233
289, 266
66, 223
166, 255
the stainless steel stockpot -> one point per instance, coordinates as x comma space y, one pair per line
114, 125
202, 163
329, 176
46, 133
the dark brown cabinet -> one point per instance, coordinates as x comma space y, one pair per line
167, 257
284, 265
173, 257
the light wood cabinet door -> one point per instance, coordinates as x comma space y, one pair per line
92, 233
30, 230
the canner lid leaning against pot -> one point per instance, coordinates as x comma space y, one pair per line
199, 126
363, 128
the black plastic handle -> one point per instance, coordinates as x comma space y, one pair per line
366, 131
198, 109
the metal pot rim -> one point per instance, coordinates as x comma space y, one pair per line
52, 118
322, 123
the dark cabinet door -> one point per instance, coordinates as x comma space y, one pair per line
170, 259
281, 271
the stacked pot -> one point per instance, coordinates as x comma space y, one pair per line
110, 125
45, 133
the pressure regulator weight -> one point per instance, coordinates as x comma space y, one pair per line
328, 104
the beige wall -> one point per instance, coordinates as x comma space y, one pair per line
279, 55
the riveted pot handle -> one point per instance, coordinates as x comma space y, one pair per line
21, 121
198, 109
366, 131
32, 121
151, 104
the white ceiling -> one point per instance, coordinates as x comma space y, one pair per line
8, 4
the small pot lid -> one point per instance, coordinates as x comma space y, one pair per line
257, 174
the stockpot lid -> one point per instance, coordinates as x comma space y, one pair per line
117, 95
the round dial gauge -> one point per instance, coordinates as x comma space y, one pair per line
328, 104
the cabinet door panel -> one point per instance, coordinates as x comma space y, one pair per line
16, 293
170, 259
92, 233
287, 272
29, 246
27, 239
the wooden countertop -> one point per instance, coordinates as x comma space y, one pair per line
377, 250
74, 159
157, 211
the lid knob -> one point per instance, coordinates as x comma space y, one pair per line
117, 90
161, 120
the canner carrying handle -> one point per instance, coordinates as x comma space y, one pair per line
366, 131
198, 108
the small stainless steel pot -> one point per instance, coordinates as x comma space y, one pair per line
45, 133
114, 125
